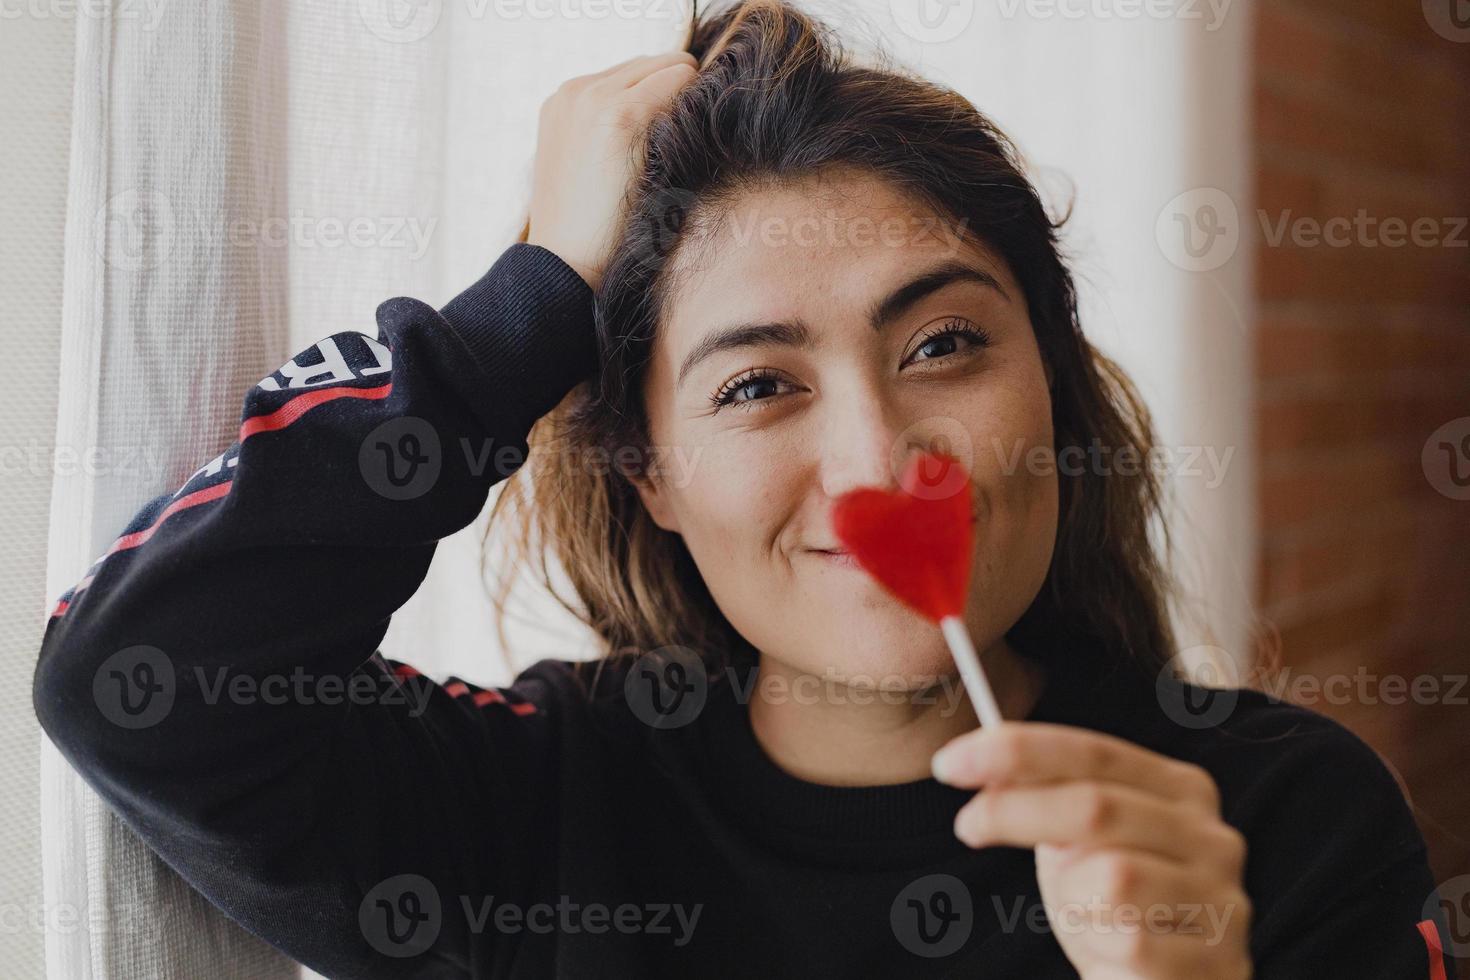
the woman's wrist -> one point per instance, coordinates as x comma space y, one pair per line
590, 274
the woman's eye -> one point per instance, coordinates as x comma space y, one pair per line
954, 337
744, 390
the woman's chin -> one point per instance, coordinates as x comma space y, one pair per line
878, 652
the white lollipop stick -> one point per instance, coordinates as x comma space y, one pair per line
960, 645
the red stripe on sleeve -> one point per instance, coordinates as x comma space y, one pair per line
183, 503
301, 404
485, 697
128, 541
279, 419
1430, 933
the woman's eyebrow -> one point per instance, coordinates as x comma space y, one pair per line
796, 333
893, 306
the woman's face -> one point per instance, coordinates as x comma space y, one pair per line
850, 370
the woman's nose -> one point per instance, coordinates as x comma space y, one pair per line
869, 441
861, 446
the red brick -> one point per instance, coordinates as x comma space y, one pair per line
1361, 352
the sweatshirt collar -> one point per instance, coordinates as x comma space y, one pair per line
768, 798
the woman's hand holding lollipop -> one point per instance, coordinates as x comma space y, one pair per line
1131, 852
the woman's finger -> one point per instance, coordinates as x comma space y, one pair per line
629, 73
657, 87
1099, 814
1129, 884
1029, 751
1145, 954
623, 67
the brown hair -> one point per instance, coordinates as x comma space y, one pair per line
778, 99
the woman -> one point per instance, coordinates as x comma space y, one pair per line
754, 277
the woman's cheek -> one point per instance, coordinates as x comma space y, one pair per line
725, 508
1016, 487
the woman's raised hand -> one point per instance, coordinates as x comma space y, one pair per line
587, 151
1139, 874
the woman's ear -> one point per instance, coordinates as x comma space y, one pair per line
656, 501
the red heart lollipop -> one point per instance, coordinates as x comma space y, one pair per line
917, 544
916, 541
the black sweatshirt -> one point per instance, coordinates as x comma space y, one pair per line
215, 677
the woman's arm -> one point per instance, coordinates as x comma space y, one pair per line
214, 675
1341, 865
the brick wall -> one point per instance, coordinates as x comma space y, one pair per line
1363, 351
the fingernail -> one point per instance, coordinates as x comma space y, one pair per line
964, 830
945, 764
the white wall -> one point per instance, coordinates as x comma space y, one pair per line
1122, 113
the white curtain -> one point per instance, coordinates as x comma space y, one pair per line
35, 59
249, 175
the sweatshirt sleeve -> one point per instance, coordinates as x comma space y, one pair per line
215, 675
1338, 870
